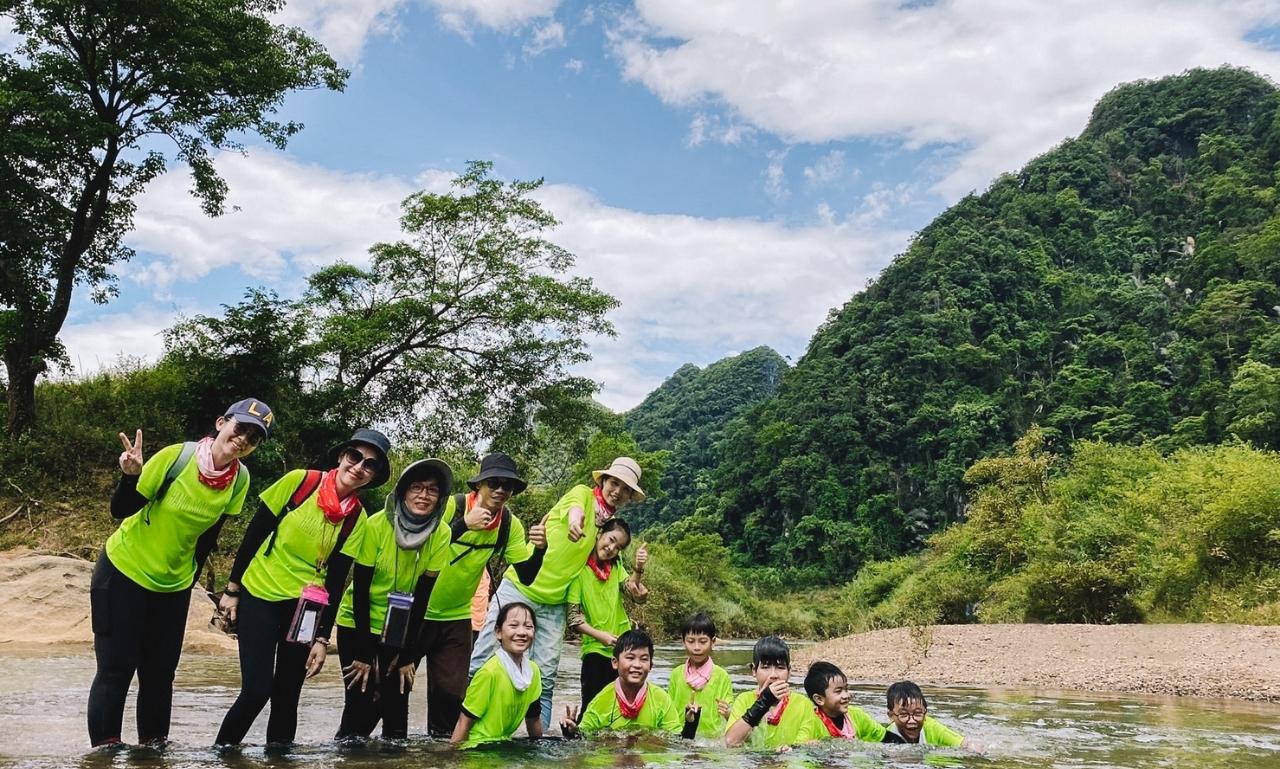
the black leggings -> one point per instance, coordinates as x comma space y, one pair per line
271, 669
134, 630
381, 701
597, 673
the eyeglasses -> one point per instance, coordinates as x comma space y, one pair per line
368, 464
251, 433
915, 715
422, 489
501, 484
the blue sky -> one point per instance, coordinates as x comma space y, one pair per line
729, 170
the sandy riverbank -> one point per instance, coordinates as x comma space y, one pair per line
44, 600
1240, 661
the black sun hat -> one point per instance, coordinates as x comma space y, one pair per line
498, 465
374, 440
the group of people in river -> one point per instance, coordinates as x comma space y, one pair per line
397, 586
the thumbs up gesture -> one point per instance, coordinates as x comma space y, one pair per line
538, 533
642, 557
131, 457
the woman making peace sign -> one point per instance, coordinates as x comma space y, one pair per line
172, 507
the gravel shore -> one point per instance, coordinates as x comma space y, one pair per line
1240, 661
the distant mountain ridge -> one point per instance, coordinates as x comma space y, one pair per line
1123, 286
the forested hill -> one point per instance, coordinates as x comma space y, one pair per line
687, 415
1120, 287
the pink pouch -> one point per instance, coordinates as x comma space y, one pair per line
311, 604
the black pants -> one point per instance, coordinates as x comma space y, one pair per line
134, 630
271, 670
379, 701
597, 673
447, 646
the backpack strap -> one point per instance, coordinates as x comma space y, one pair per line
306, 487
242, 479
179, 464
348, 524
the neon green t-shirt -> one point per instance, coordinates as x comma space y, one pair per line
302, 537
656, 715
601, 602
161, 555
564, 559
865, 727
464, 561
934, 733
788, 731
496, 705
394, 569
710, 724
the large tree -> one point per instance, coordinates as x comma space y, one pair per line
96, 101
465, 329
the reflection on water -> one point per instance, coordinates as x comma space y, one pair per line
42, 700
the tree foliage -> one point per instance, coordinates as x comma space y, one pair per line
1122, 287
96, 100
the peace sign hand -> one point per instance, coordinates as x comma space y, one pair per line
131, 457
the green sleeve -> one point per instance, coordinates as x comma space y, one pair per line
722, 684
866, 727
439, 553
155, 469
740, 706
276, 496
363, 550
518, 550
672, 719
812, 729
479, 692
937, 734
593, 720
574, 595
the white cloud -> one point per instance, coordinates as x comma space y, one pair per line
342, 25
1007, 79
775, 175
711, 127
545, 37
502, 15
691, 288
290, 216
828, 169
573, 65
99, 342
9, 39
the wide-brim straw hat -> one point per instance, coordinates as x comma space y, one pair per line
626, 470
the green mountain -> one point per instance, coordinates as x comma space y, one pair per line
687, 415
1121, 287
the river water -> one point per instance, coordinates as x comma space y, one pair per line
42, 700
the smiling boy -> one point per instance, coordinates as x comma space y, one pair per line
828, 690
630, 704
910, 722
766, 717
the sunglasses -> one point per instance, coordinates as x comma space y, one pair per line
354, 457
501, 484
251, 433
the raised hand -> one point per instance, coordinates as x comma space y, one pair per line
569, 724
131, 457
478, 518
642, 557
576, 520
722, 706
538, 533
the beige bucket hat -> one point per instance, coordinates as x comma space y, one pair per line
626, 470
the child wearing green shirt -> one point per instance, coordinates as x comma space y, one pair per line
828, 690
507, 687
630, 705
910, 722
597, 591
768, 717
699, 682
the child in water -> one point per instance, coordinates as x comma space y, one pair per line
597, 590
910, 722
506, 688
699, 682
766, 717
833, 718
630, 704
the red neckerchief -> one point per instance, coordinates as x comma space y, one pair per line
778, 710
608, 508
215, 479
630, 709
601, 570
497, 519
698, 677
845, 730
335, 510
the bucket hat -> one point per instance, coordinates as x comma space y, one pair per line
374, 440
498, 465
626, 470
